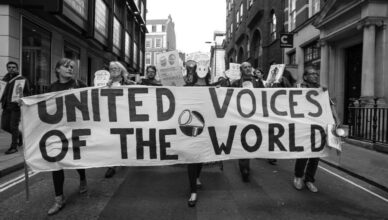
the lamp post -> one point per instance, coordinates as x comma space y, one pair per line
215, 55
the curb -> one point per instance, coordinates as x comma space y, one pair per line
379, 147
355, 175
11, 169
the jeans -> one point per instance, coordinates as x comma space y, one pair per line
307, 171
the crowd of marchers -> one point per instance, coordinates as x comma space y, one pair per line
304, 171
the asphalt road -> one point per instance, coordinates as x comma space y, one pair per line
162, 193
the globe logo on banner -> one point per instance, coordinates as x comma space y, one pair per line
191, 123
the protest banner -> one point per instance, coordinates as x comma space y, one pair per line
17, 91
148, 126
101, 77
2, 87
169, 68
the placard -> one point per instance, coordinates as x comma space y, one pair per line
101, 77
17, 91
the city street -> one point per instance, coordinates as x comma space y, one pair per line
162, 193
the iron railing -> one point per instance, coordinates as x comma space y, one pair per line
368, 123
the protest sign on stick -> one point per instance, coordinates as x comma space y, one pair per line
169, 68
275, 73
18, 88
2, 87
101, 77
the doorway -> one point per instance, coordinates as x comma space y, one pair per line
353, 69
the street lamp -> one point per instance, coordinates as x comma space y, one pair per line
215, 55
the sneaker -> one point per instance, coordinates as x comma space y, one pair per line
311, 187
298, 183
11, 150
110, 172
83, 187
58, 205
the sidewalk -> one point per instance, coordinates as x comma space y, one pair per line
12, 162
366, 164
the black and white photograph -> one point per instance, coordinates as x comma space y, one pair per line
197, 110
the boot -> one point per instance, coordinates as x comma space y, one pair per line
58, 205
11, 150
83, 186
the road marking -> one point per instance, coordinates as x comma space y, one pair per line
14, 181
354, 184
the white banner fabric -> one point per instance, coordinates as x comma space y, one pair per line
148, 126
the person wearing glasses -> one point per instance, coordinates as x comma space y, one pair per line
150, 80
307, 167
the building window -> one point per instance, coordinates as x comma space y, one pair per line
101, 19
312, 55
143, 10
118, 8
36, 56
241, 11
292, 18
314, 7
116, 33
158, 28
127, 43
148, 58
155, 57
135, 53
141, 60
148, 43
273, 26
79, 6
292, 58
158, 42
153, 28
163, 28
74, 53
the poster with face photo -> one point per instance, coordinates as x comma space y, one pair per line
169, 69
18, 88
2, 88
275, 73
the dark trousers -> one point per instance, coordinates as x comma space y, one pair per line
306, 167
244, 165
59, 179
194, 170
10, 120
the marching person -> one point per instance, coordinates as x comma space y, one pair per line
64, 71
194, 169
286, 81
118, 77
10, 118
247, 80
307, 167
151, 74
